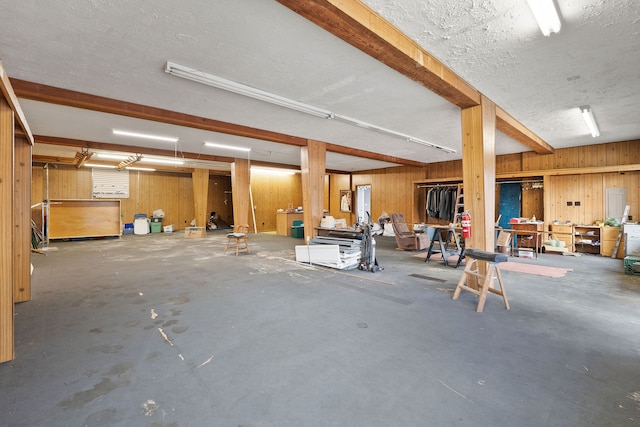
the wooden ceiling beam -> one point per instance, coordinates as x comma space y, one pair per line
8, 91
70, 98
79, 143
357, 24
360, 26
350, 151
506, 124
53, 95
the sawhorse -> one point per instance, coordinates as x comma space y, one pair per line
485, 281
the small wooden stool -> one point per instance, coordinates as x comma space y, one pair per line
471, 270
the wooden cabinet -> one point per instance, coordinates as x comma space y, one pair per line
609, 236
284, 221
564, 233
84, 218
531, 236
587, 238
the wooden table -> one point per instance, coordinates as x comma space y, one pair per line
535, 236
284, 222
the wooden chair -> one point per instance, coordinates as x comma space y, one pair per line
239, 238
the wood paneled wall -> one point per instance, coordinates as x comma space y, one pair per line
148, 191
339, 182
273, 192
392, 190
220, 199
587, 188
22, 221
612, 154
6, 232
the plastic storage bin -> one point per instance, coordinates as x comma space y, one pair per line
140, 224
128, 228
156, 227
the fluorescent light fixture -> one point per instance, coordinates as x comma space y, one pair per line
546, 15
162, 161
144, 135
241, 89
112, 156
226, 147
132, 168
98, 165
390, 132
587, 115
273, 171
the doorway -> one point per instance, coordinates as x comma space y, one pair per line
363, 203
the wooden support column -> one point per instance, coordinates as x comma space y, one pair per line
200, 178
547, 202
313, 166
240, 182
22, 220
479, 172
6, 232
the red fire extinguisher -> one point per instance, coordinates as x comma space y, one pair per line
465, 222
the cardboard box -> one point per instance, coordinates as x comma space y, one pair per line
195, 232
504, 238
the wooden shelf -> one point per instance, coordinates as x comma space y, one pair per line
587, 238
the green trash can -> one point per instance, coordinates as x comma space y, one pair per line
156, 225
297, 230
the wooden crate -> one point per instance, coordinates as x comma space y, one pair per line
609, 236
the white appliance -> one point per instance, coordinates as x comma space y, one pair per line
632, 240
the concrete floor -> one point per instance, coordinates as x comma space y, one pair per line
159, 330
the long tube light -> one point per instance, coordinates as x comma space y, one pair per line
136, 168
273, 171
98, 165
241, 89
144, 136
390, 132
227, 147
587, 115
545, 13
146, 159
112, 156
162, 161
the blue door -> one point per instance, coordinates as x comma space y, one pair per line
510, 202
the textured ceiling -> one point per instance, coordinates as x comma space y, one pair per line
118, 48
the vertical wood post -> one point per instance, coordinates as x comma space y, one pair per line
479, 172
240, 182
200, 178
6, 232
313, 167
22, 220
